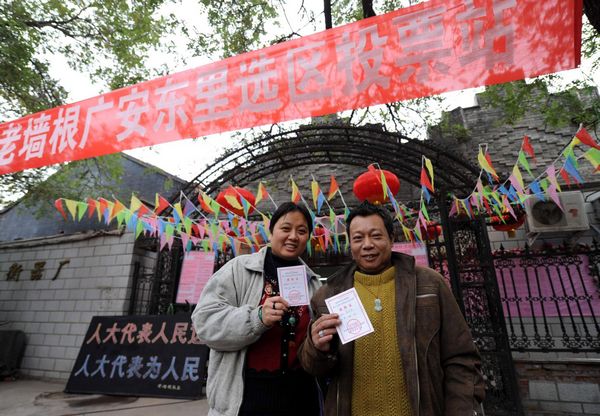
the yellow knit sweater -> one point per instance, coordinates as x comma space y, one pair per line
378, 386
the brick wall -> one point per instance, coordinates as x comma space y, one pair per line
54, 314
559, 386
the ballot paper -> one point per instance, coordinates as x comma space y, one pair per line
293, 285
355, 321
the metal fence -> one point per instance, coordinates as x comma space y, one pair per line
551, 297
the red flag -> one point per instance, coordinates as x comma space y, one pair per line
425, 180
585, 138
91, 207
143, 210
103, 205
565, 176
59, 207
487, 206
161, 204
527, 148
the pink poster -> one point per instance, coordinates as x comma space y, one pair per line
418, 251
197, 268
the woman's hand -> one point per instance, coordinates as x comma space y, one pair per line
323, 330
273, 310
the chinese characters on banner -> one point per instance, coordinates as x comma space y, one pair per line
197, 268
158, 356
426, 49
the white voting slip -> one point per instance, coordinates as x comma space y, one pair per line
355, 321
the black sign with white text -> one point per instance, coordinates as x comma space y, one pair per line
143, 355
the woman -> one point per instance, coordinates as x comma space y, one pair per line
253, 333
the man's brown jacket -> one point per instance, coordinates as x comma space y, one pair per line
440, 361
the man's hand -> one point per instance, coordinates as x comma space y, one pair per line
323, 330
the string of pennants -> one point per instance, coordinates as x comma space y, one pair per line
213, 227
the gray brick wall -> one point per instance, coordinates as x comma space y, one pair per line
559, 385
54, 314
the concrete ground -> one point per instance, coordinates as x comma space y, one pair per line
46, 398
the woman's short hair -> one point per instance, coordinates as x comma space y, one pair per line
367, 209
288, 207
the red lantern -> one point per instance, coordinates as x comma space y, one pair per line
368, 186
236, 194
509, 224
433, 231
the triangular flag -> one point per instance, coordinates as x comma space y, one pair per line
72, 207
117, 207
484, 162
296, 196
215, 207
177, 212
135, 203
384, 186
425, 180
139, 228
59, 206
537, 191
527, 148
261, 193
314, 187
188, 208
160, 204
563, 173
585, 138
554, 195
517, 174
593, 156
523, 161
92, 205
232, 200
429, 166
333, 188
572, 170
246, 205
81, 209
205, 201
320, 201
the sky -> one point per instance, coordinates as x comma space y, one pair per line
187, 158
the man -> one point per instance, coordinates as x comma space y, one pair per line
420, 360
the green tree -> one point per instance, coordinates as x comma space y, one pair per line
110, 40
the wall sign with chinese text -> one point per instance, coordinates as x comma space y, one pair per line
158, 356
197, 268
430, 48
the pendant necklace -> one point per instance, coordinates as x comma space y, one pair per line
378, 305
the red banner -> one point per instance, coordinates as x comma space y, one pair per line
427, 49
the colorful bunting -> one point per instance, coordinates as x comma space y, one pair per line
494, 198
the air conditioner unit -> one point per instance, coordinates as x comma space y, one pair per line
547, 217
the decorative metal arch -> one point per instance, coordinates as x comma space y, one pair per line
335, 144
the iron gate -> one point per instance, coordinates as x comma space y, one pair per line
463, 256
